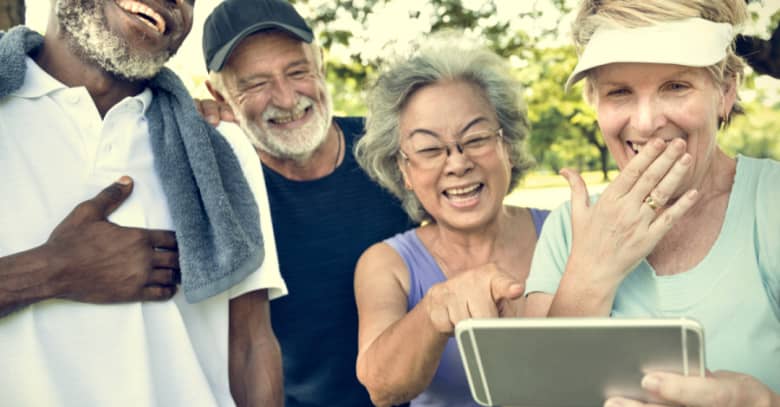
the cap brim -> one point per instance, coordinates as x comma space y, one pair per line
221, 56
692, 42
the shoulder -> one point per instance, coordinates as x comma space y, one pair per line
233, 134
759, 178
381, 262
240, 143
352, 126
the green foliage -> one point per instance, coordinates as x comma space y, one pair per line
564, 128
755, 134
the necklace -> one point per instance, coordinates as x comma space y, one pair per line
338, 151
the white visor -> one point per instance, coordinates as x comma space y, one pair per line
690, 42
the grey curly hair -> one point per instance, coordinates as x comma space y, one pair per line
439, 58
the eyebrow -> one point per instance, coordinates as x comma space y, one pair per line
241, 82
462, 131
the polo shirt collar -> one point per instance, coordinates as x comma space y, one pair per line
38, 82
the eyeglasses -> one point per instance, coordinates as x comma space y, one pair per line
429, 153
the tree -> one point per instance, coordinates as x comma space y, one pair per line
11, 13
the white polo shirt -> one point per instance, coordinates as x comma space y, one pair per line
56, 151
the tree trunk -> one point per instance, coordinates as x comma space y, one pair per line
604, 155
11, 13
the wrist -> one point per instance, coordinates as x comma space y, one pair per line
584, 292
53, 269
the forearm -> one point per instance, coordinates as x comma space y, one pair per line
25, 278
255, 361
582, 293
394, 369
775, 399
256, 373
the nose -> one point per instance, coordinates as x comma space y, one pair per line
649, 116
457, 163
284, 96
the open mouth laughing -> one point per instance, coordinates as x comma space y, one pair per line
463, 195
278, 117
144, 13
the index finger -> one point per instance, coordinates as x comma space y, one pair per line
505, 287
637, 166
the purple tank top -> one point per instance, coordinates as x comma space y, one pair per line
449, 386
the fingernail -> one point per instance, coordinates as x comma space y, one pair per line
651, 383
124, 180
692, 194
658, 143
686, 159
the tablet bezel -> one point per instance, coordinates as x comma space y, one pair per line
642, 344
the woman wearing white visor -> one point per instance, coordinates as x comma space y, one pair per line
684, 230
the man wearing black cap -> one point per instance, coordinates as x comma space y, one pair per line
264, 64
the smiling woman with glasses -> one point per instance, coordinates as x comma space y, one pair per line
445, 133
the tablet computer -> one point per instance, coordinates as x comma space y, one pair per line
557, 362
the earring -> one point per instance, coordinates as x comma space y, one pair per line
723, 120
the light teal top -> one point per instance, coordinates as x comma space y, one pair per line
734, 291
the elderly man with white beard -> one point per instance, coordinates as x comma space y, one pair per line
265, 65
102, 157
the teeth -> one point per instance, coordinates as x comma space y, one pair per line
294, 115
142, 9
462, 191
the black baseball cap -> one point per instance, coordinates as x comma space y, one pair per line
233, 20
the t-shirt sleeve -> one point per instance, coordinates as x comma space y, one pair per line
551, 253
268, 275
768, 229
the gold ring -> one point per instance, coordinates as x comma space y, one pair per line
651, 203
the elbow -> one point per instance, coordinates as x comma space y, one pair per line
379, 385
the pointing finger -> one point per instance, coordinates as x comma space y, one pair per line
503, 287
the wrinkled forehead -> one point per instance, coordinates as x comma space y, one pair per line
693, 42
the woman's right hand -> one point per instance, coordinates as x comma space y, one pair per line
610, 237
485, 292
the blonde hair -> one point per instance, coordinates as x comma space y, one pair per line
594, 14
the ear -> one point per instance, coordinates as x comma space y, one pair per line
322, 61
402, 165
729, 90
215, 93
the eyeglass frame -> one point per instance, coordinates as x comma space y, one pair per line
498, 132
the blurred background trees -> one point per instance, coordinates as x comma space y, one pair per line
359, 35
564, 132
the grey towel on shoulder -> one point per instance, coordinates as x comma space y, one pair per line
216, 217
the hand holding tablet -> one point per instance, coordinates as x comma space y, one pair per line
556, 362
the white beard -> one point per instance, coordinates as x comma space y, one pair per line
89, 36
292, 144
